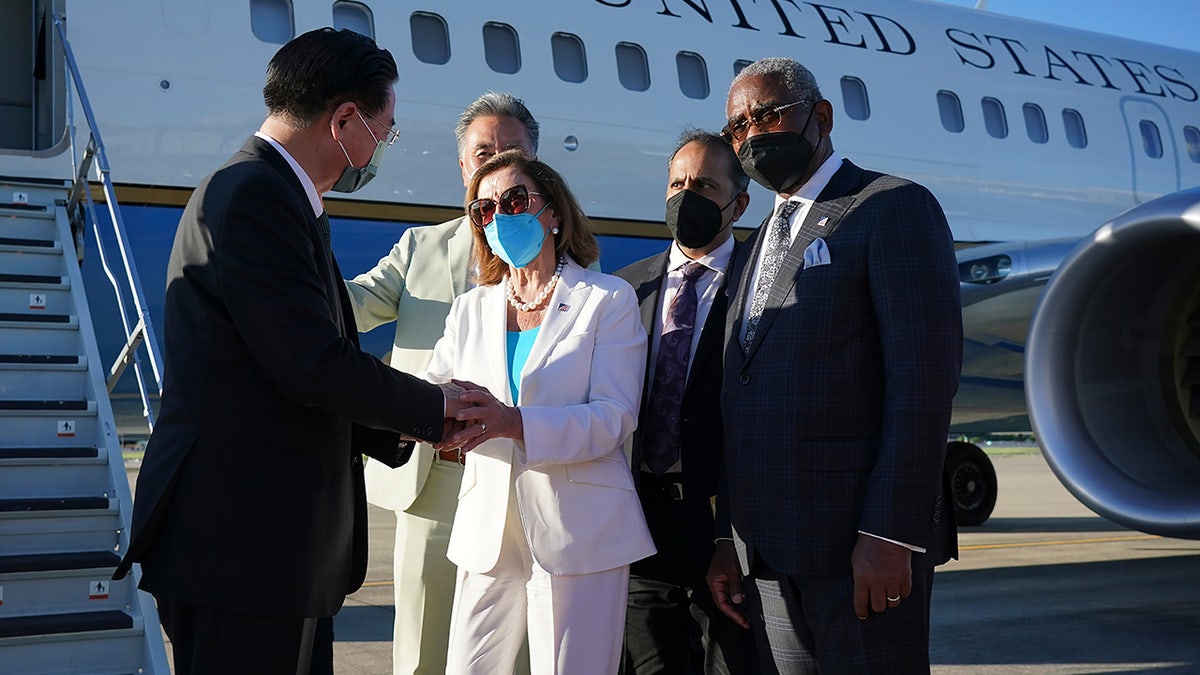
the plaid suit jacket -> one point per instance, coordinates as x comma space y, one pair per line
836, 417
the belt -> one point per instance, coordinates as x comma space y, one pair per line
454, 456
669, 485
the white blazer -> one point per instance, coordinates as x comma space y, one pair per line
579, 395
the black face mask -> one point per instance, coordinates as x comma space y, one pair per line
694, 220
777, 160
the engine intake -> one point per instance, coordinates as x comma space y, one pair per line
1112, 368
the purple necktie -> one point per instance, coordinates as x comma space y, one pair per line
670, 374
779, 240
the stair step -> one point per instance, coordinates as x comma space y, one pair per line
56, 591
49, 279
27, 210
119, 651
52, 405
53, 477
27, 243
44, 562
47, 382
75, 622
50, 338
49, 427
65, 452
30, 317
53, 504
24, 532
42, 359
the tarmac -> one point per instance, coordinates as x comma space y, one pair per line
1044, 586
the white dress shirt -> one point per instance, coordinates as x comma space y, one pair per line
314, 199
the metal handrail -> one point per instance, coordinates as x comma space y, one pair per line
143, 330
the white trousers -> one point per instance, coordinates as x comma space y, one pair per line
575, 623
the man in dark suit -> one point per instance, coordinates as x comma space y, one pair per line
671, 624
843, 348
250, 517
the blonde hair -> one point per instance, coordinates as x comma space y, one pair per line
574, 238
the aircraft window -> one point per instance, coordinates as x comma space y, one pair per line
1151, 139
271, 20
501, 48
430, 38
1191, 135
739, 64
854, 98
1035, 123
994, 119
693, 74
1076, 133
570, 61
950, 110
632, 68
354, 16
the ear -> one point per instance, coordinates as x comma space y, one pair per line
340, 116
823, 112
740, 204
462, 166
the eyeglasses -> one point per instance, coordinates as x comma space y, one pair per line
392, 133
513, 201
765, 118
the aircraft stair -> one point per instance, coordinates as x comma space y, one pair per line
65, 500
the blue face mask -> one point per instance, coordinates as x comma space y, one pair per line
516, 239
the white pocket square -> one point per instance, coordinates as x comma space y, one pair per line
816, 254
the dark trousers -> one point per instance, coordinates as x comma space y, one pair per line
671, 624
207, 641
807, 625
677, 630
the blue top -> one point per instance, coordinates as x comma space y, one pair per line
519, 344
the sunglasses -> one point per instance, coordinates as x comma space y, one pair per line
513, 201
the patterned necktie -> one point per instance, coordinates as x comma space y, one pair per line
323, 226
670, 374
779, 239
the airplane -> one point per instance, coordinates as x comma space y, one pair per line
1063, 159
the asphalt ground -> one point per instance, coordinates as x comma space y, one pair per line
1044, 586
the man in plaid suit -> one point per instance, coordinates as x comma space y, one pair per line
843, 349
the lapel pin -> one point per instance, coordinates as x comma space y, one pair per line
562, 307
822, 221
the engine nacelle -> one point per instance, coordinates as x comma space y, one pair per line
1112, 368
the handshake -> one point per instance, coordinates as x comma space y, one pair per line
473, 416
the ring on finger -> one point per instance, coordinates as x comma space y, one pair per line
895, 598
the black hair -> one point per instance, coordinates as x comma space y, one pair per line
321, 69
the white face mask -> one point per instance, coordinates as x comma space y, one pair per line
352, 177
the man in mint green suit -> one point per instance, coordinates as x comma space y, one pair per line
414, 286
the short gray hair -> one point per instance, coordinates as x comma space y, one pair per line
714, 141
797, 79
496, 104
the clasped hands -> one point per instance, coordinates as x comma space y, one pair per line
473, 416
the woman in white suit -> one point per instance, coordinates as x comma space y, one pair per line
547, 520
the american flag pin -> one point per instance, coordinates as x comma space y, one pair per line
822, 221
562, 307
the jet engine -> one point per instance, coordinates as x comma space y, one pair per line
1112, 368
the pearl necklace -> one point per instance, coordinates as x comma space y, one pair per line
511, 292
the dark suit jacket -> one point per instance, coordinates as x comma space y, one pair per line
684, 548
836, 419
250, 497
